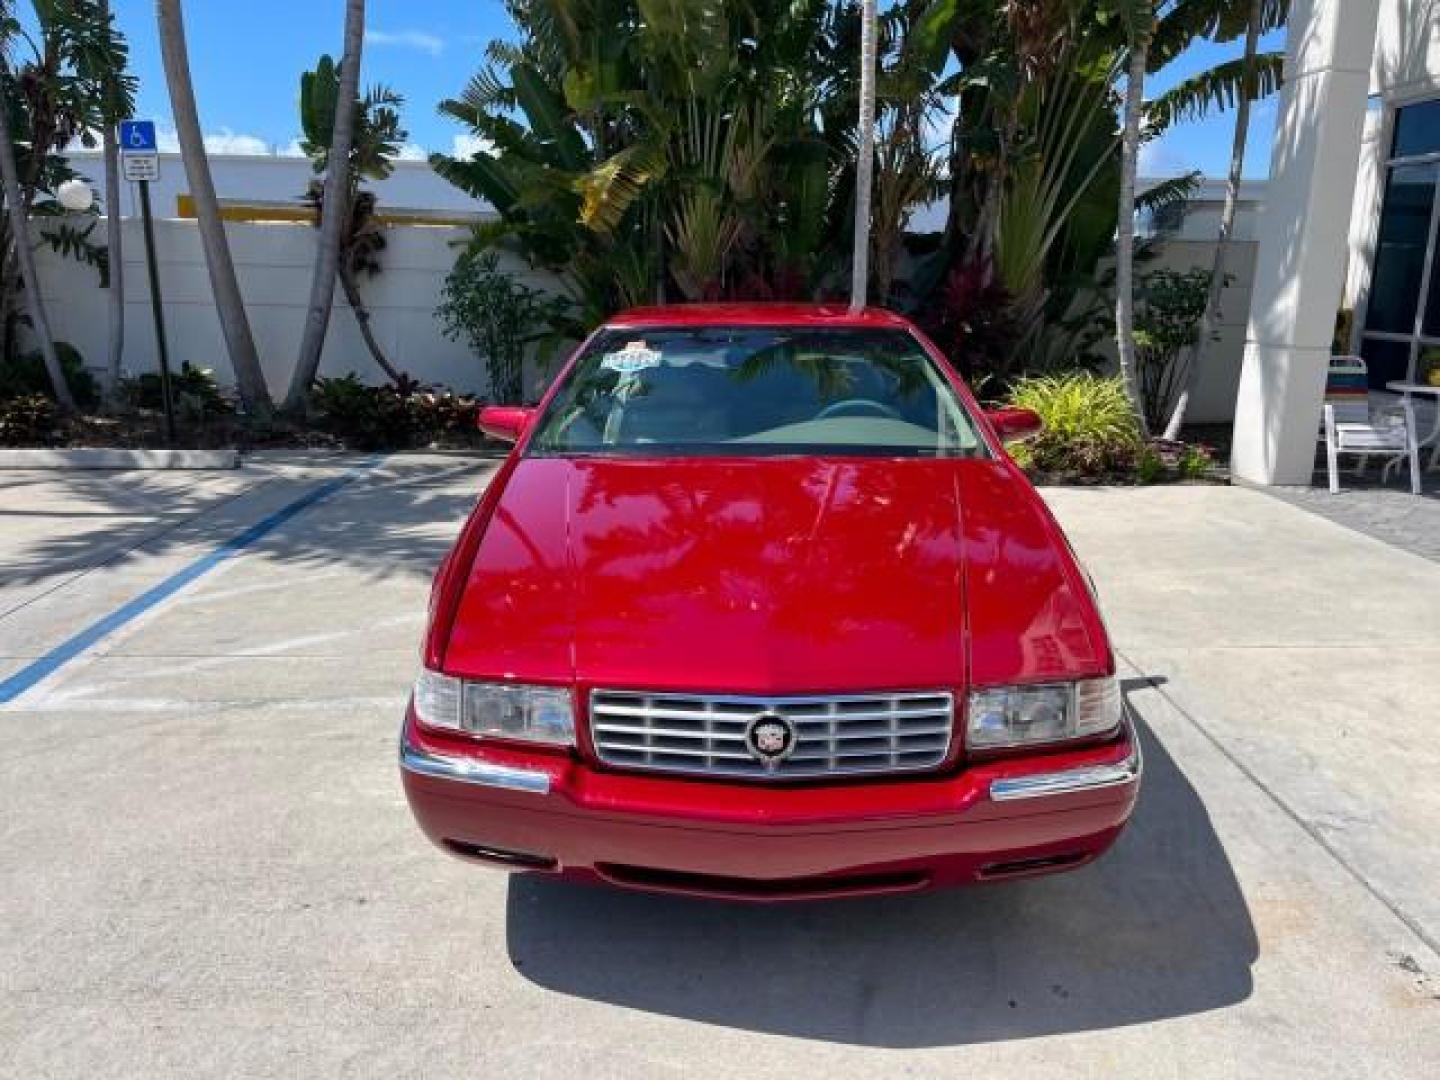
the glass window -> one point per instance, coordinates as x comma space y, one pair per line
1386, 361
752, 391
1400, 249
1417, 130
1432, 305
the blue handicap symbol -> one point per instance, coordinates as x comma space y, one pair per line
137, 136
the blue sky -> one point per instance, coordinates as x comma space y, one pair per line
1206, 145
246, 59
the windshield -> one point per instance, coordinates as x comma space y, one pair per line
750, 391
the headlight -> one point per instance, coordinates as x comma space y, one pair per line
543, 714
1021, 715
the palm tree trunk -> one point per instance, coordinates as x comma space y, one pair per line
865, 159
1227, 226
362, 319
1125, 242
334, 212
113, 240
25, 259
234, 325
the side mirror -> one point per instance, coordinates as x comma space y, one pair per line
1015, 425
504, 422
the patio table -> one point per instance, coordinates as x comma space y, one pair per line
1409, 390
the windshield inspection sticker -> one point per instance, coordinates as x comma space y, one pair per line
635, 356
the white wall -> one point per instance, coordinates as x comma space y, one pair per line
1192, 246
274, 263
271, 178
1214, 401
1407, 50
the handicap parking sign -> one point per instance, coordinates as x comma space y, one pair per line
137, 137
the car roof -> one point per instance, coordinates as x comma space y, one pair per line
758, 314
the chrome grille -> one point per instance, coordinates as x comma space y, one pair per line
706, 734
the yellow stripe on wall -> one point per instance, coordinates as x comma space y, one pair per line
233, 210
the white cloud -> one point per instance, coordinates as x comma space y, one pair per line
290, 149
224, 141
465, 147
1163, 158
407, 39
413, 152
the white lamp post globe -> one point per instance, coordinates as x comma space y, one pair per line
75, 195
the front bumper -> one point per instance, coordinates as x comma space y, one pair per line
550, 813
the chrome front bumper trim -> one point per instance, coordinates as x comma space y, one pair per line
468, 771
1070, 781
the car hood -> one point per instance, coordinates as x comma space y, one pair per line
777, 575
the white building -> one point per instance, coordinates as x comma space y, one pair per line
277, 181
272, 241
1349, 221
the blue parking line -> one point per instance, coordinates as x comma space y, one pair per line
66, 651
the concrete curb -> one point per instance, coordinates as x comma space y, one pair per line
114, 458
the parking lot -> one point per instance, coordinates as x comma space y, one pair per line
209, 869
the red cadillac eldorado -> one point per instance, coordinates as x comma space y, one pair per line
759, 607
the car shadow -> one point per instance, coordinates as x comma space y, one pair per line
1156, 929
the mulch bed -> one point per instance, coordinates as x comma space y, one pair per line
145, 430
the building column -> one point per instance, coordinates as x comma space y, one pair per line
1304, 232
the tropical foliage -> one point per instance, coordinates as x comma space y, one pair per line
60, 83
392, 417
1170, 305
496, 316
660, 150
1089, 425
648, 150
374, 147
28, 420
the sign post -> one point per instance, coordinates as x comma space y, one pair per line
140, 159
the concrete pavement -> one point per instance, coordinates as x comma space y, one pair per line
209, 869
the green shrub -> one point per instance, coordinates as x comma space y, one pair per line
370, 417
1194, 463
28, 420
195, 391
1170, 307
25, 375
498, 317
444, 412
1149, 466
390, 417
1089, 426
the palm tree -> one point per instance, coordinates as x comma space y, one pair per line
865, 158
334, 213
1141, 26
239, 343
377, 138
113, 112
360, 247
700, 149
20, 236
1255, 21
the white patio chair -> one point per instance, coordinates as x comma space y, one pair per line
1353, 426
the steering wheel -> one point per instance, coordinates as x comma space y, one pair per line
857, 403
